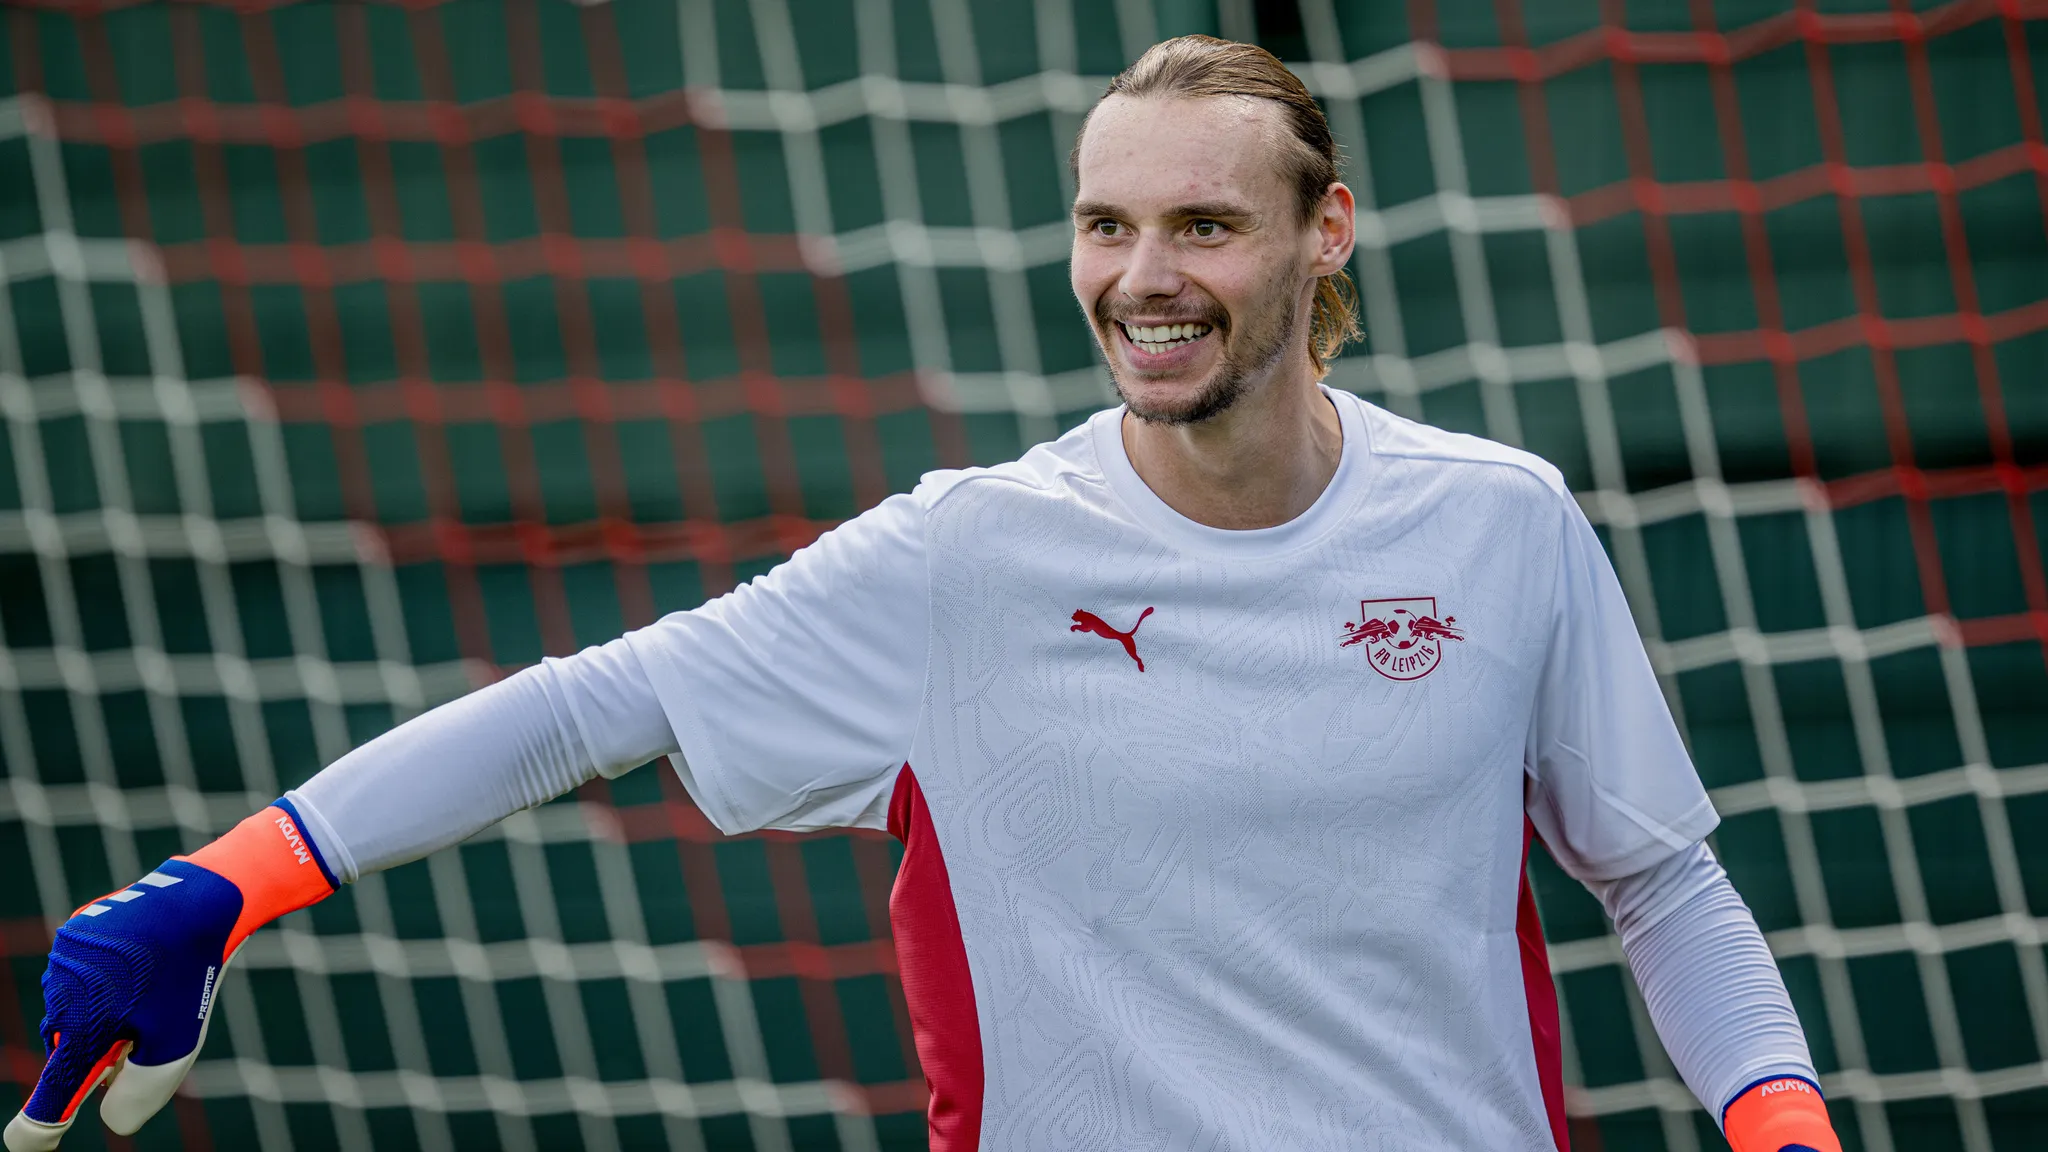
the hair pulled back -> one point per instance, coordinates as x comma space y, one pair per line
1191, 67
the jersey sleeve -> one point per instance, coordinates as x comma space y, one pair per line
795, 696
1611, 788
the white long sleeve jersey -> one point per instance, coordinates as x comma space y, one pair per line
1213, 839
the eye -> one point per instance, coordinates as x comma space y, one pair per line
1106, 228
1206, 229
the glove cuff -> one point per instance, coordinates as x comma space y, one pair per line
1780, 1113
273, 861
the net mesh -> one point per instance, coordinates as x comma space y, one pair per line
352, 356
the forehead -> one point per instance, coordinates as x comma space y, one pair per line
1153, 152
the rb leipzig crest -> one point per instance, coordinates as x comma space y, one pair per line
1403, 638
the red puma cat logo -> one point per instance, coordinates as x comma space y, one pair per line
1086, 621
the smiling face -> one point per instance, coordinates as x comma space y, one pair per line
1190, 253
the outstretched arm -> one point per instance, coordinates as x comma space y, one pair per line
449, 774
793, 699
132, 975
1718, 1002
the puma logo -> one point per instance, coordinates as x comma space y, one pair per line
1086, 621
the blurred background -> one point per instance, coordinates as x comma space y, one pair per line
354, 356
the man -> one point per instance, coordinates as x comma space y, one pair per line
1215, 730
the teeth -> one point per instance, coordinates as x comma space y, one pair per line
1157, 337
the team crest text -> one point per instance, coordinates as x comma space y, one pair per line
1403, 638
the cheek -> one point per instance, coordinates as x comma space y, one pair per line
1091, 272
1243, 283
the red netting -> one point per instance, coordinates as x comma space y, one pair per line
1718, 49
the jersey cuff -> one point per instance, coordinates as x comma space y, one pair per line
333, 856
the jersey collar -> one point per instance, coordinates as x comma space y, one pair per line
1346, 487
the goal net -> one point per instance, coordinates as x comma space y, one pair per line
352, 356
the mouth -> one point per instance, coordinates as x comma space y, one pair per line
1163, 339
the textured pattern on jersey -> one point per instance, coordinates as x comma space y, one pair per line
143, 969
1256, 897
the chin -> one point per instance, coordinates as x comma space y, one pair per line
1190, 403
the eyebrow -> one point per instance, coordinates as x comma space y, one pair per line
1204, 209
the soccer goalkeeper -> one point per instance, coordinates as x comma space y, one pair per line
1215, 730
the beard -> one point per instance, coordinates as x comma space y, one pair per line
1249, 353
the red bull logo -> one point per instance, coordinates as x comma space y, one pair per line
1403, 638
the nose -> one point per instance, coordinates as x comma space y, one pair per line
1154, 268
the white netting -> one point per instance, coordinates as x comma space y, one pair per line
108, 814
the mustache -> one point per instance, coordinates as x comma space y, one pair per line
1119, 311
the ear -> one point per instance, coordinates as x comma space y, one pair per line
1335, 229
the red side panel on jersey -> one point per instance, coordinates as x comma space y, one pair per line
1542, 994
936, 983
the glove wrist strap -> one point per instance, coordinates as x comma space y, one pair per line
1779, 1113
275, 864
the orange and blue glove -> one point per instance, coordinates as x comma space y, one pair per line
1782, 1114
133, 975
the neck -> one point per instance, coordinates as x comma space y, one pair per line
1259, 463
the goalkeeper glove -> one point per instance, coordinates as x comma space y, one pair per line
1782, 1114
133, 975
